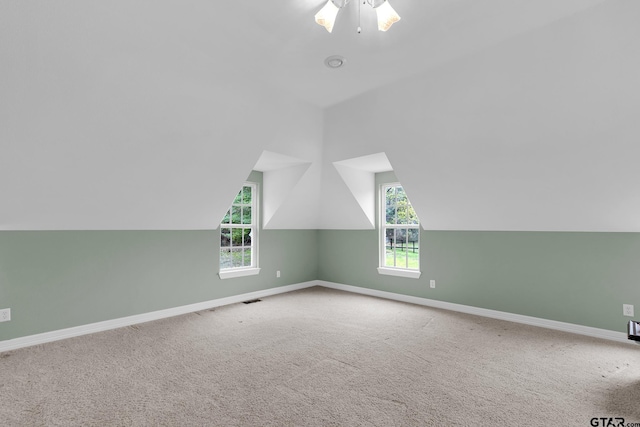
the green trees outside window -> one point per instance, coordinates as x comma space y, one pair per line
400, 230
237, 231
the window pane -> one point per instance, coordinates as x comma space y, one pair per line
247, 257
246, 195
401, 245
225, 237
401, 213
403, 206
236, 214
390, 205
236, 257
391, 193
247, 236
246, 214
236, 237
405, 248
413, 237
390, 245
225, 258
391, 214
401, 238
238, 231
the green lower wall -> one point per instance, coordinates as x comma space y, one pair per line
580, 278
59, 279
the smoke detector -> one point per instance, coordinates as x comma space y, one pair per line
335, 61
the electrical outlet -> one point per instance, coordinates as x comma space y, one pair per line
432, 283
278, 273
627, 310
5, 315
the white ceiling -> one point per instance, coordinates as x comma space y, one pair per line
149, 114
280, 43
275, 42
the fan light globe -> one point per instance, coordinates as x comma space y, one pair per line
386, 16
329, 12
327, 15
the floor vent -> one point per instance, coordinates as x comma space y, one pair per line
251, 301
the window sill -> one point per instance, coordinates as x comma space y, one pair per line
240, 272
411, 274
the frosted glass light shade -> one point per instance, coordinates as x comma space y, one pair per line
327, 15
386, 16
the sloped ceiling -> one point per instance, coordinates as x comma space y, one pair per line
150, 114
281, 175
358, 176
539, 132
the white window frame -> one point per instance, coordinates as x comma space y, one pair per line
382, 227
253, 269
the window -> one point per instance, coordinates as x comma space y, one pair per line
399, 233
239, 235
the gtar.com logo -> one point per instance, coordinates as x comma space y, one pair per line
607, 422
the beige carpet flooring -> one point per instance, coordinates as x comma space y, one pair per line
320, 357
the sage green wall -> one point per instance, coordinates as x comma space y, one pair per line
59, 279
581, 278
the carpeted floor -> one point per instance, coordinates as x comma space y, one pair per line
321, 357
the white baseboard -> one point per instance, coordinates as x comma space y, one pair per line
501, 315
61, 334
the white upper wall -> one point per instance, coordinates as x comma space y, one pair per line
540, 132
150, 115
110, 123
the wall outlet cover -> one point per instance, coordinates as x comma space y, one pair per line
627, 310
